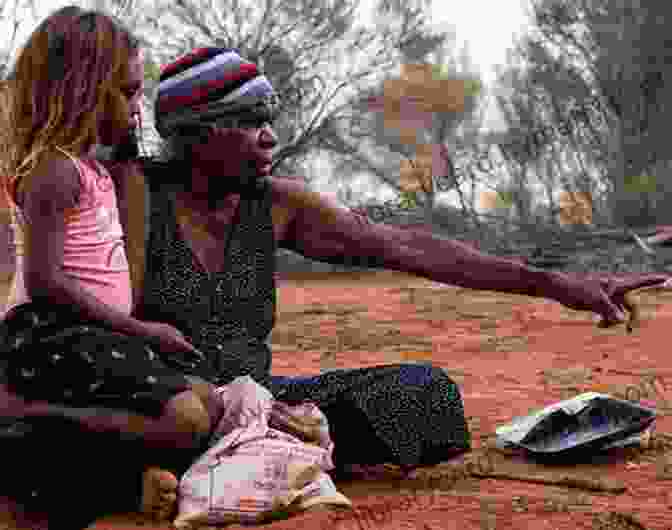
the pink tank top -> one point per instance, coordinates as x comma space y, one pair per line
94, 254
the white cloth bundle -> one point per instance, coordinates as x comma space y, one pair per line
253, 471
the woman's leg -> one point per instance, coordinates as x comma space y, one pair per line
410, 415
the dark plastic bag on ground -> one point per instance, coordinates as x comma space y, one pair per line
588, 422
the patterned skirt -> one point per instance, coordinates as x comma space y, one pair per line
49, 355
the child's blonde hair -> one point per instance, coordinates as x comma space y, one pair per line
65, 80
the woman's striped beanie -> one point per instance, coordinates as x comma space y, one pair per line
211, 83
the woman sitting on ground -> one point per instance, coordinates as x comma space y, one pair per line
215, 220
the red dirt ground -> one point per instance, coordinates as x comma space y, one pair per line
509, 354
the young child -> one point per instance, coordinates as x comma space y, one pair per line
71, 347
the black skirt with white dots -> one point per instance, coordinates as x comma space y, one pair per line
52, 356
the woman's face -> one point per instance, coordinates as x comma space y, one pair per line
236, 154
130, 85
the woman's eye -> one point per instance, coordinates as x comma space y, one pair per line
260, 124
131, 94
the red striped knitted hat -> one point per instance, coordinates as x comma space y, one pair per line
207, 84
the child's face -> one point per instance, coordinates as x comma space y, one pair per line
111, 131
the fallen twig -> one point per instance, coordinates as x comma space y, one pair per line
638, 373
641, 243
566, 481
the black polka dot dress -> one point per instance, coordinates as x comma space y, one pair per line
409, 415
227, 315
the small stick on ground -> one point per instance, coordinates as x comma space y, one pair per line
565, 481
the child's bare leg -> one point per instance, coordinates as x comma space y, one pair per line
183, 424
187, 418
159, 486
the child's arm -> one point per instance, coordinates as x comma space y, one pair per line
52, 190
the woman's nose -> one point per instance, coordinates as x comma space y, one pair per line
268, 135
135, 106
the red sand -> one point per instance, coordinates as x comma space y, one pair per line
509, 354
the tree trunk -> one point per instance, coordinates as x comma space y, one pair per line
618, 197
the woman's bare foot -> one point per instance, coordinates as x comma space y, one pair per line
159, 494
